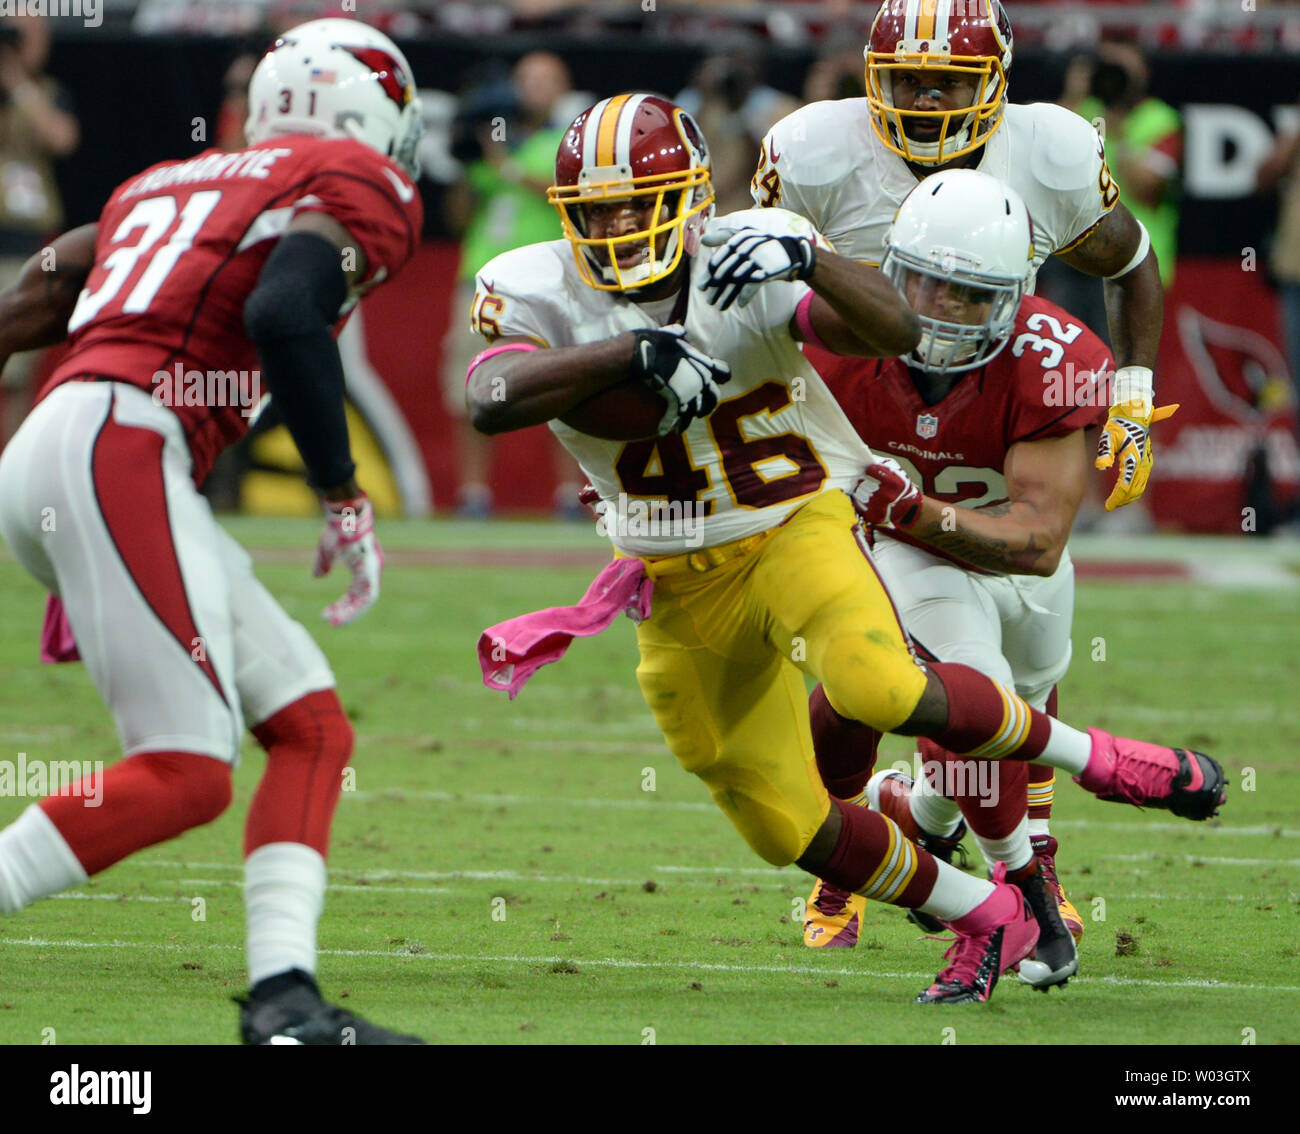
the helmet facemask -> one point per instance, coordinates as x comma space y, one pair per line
678, 204
966, 315
963, 129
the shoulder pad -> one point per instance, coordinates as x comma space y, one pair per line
814, 144
1065, 151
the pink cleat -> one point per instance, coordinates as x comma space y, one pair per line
995, 936
1190, 784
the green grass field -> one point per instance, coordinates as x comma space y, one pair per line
500, 875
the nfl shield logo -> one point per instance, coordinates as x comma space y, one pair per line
927, 425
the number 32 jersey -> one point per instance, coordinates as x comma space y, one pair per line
180, 248
1050, 379
776, 439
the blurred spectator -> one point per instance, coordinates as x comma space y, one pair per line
1144, 140
36, 126
734, 109
839, 72
1280, 172
234, 103
509, 133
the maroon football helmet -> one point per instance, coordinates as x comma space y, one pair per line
633, 146
970, 38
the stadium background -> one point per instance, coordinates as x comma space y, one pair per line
142, 80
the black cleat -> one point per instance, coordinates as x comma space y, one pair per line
294, 1013
1056, 957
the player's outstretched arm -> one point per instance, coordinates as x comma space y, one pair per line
1118, 249
1024, 536
290, 317
34, 311
856, 310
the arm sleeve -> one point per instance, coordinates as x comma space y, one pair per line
290, 317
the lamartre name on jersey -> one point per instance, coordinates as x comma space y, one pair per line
776, 439
825, 163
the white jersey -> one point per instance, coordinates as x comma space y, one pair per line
825, 163
777, 438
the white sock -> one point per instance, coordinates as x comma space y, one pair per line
955, 893
35, 861
284, 893
935, 814
1014, 850
1067, 748
1039, 827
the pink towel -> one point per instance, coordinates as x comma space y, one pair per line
57, 642
512, 651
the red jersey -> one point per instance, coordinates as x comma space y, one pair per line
180, 248
1051, 378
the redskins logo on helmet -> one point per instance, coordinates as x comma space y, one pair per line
639, 148
967, 38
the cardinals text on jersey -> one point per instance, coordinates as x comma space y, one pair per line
955, 449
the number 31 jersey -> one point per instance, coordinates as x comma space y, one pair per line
180, 248
1050, 379
776, 439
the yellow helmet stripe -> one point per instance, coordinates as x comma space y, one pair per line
925, 19
607, 129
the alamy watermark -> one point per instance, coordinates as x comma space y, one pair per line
627, 519
241, 389
90, 12
35, 779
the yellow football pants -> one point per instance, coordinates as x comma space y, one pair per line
732, 631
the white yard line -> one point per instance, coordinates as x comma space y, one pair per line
621, 963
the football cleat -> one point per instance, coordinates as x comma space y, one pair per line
1045, 851
833, 917
297, 1015
1056, 957
889, 793
1189, 784
997, 935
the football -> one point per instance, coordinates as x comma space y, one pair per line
627, 411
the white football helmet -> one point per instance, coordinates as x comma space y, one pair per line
337, 79
961, 252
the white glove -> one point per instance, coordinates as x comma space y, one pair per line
687, 378
748, 258
349, 538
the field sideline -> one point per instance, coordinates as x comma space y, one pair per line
501, 874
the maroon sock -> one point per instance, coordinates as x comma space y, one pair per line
1043, 773
994, 813
145, 799
308, 744
846, 749
980, 717
864, 843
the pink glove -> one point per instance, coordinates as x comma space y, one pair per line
349, 538
885, 497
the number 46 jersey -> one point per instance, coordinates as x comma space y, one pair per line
776, 439
1050, 379
180, 248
